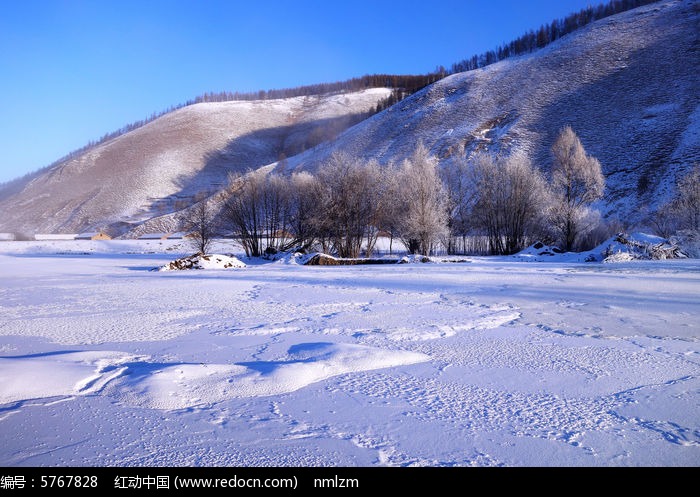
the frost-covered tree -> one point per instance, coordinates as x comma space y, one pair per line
460, 191
376, 195
687, 202
577, 182
349, 202
200, 223
683, 211
424, 202
508, 200
392, 208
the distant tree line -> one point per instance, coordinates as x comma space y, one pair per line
401, 85
546, 34
114, 134
407, 84
348, 203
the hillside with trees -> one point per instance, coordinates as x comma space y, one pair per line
640, 124
618, 75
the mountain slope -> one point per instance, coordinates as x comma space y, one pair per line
169, 162
629, 85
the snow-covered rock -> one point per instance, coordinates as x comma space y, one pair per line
414, 258
623, 247
201, 261
540, 249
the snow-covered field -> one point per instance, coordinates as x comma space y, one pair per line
489, 362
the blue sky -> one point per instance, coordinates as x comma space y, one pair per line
73, 70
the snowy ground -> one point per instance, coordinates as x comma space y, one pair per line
488, 362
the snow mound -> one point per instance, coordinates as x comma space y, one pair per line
134, 380
182, 386
58, 374
201, 261
293, 258
540, 252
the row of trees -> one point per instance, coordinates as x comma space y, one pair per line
510, 201
345, 206
342, 209
407, 83
546, 34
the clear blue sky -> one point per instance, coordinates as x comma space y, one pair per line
73, 70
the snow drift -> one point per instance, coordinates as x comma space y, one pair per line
135, 380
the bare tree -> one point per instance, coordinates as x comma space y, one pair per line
508, 200
424, 202
201, 225
259, 209
241, 211
664, 221
577, 182
348, 193
276, 214
303, 188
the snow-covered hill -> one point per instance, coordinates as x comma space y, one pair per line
167, 163
629, 85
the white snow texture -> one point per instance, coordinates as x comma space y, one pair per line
104, 362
